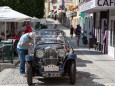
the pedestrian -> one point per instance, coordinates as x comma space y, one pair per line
22, 49
28, 28
78, 33
55, 26
71, 31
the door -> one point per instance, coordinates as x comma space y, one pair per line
104, 34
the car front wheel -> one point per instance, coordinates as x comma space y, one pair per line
29, 73
73, 72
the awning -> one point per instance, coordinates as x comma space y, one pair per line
34, 19
82, 14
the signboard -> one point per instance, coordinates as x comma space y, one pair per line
106, 3
97, 4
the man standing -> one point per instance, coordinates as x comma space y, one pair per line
71, 31
78, 33
22, 49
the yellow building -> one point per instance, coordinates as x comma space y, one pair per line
76, 18
47, 7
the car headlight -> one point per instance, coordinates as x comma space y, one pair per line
40, 53
61, 53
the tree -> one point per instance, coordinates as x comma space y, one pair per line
40, 5
28, 7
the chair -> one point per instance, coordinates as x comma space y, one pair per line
15, 46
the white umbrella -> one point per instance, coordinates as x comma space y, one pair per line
9, 15
33, 19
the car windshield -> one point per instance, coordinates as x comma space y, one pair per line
49, 36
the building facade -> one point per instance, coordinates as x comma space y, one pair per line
99, 23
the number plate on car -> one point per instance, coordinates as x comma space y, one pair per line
51, 74
51, 68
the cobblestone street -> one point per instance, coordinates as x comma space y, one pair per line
93, 69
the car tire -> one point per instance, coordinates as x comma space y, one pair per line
73, 73
29, 73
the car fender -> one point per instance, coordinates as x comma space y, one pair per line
70, 57
28, 58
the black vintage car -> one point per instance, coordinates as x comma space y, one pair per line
51, 56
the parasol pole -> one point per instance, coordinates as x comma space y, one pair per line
5, 30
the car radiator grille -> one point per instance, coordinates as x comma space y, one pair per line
51, 57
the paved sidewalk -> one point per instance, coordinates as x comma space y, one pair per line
8, 64
93, 68
104, 62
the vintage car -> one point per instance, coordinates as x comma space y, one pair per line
51, 56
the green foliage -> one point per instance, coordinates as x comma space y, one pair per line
28, 7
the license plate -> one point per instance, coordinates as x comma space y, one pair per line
51, 74
51, 68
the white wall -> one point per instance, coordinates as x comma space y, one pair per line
111, 49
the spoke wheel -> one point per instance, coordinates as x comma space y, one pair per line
29, 73
73, 73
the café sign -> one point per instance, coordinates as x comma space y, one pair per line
106, 3
97, 4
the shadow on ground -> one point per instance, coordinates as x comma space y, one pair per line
82, 63
87, 52
83, 79
87, 79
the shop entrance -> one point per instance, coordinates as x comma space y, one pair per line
104, 35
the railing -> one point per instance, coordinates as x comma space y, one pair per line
6, 52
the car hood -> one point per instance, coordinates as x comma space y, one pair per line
46, 46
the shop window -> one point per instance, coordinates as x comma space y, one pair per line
112, 33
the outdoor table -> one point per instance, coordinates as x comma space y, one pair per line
6, 51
